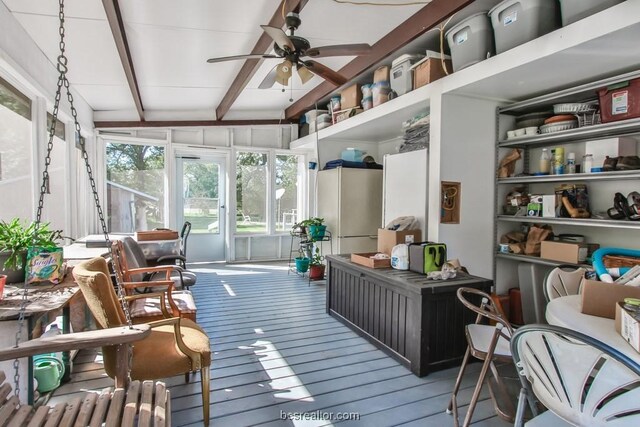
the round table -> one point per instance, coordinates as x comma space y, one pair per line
567, 312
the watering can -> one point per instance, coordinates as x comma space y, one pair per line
48, 370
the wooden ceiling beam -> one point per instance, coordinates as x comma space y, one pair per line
184, 123
250, 66
114, 17
421, 22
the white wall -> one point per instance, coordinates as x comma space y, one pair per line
467, 155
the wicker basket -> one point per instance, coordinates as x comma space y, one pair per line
617, 261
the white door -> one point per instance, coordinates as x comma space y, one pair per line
201, 201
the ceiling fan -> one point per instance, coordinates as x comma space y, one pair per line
293, 49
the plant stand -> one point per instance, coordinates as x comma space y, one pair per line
305, 246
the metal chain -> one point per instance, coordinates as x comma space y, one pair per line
63, 81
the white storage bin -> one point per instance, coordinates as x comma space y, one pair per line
612, 147
575, 10
401, 73
470, 41
518, 21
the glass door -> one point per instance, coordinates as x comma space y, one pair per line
201, 201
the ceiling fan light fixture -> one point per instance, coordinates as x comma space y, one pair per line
305, 75
283, 72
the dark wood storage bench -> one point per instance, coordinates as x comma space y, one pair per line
417, 321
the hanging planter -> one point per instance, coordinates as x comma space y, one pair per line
317, 231
302, 264
316, 272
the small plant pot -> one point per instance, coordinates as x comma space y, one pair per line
317, 231
316, 272
302, 265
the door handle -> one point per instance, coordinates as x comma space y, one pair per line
222, 206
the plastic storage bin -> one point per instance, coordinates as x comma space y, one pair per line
154, 249
518, 21
575, 10
401, 74
620, 101
470, 41
352, 155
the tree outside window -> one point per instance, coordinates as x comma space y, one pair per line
135, 184
251, 192
287, 211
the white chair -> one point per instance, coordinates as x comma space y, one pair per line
562, 281
581, 381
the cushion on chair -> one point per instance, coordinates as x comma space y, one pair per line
188, 278
161, 343
150, 307
480, 337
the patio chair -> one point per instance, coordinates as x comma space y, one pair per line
175, 346
139, 270
582, 381
146, 307
562, 281
181, 259
489, 343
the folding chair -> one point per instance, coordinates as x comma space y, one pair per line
489, 343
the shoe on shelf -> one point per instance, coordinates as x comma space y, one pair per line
628, 163
610, 164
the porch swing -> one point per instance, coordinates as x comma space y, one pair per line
142, 403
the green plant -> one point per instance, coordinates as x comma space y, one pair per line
317, 258
16, 237
312, 221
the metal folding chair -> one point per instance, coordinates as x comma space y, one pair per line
489, 343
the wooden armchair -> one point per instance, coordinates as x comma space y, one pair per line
164, 303
175, 346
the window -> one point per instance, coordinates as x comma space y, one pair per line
288, 182
54, 210
200, 185
252, 172
16, 154
135, 187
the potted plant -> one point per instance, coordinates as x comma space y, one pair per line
315, 227
15, 238
316, 266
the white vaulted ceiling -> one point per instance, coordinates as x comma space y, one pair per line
170, 42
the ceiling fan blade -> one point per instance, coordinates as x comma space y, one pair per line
269, 80
339, 50
325, 72
283, 72
305, 75
279, 36
235, 57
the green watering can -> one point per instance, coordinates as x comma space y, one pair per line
48, 370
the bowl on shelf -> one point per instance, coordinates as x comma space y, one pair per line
532, 119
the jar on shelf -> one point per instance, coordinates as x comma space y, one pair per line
558, 161
545, 161
587, 163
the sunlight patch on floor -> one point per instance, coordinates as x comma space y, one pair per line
229, 290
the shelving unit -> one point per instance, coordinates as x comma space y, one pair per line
601, 186
306, 245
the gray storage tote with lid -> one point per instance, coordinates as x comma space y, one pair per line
575, 10
518, 21
470, 41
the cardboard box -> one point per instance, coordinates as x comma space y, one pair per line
549, 206
350, 97
572, 253
366, 260
600, 299
144, 236
628, 327
429, 70
382, 74
387, 239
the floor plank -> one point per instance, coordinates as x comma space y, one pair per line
276, 351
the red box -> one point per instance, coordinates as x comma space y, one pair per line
620, 101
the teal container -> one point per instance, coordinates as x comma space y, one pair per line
317, 231
302, 265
